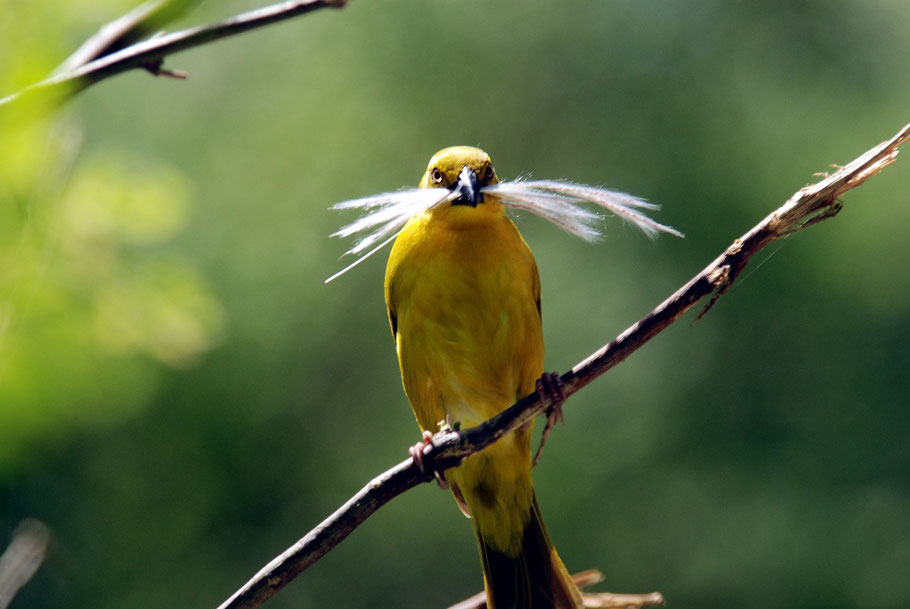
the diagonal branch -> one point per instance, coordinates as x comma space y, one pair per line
808, 206
151, 52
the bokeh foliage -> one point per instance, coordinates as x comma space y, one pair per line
181, 397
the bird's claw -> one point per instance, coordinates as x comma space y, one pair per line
550, 386
416, 453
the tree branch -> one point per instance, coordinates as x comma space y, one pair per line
808, 206
132, 27
150, 53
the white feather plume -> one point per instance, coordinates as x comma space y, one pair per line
557, 201
388, 213
553, 200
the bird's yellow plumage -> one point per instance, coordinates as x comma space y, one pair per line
463, 295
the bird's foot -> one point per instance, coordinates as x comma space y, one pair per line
550, 386
416, 453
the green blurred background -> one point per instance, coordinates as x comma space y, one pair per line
181, 397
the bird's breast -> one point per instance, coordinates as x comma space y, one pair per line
469, 337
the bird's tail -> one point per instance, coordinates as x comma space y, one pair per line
534, 579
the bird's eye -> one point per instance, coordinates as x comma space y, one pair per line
488, 173
436, 175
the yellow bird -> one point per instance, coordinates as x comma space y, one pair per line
463, 297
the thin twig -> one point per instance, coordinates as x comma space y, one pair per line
136, 25
151, 52
593, 600
448, 448
22, 558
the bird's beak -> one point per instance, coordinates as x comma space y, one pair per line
467, 188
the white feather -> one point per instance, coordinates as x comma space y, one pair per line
569, 213
558, 209
390, 212
554, 200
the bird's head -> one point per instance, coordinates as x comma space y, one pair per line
462, 170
